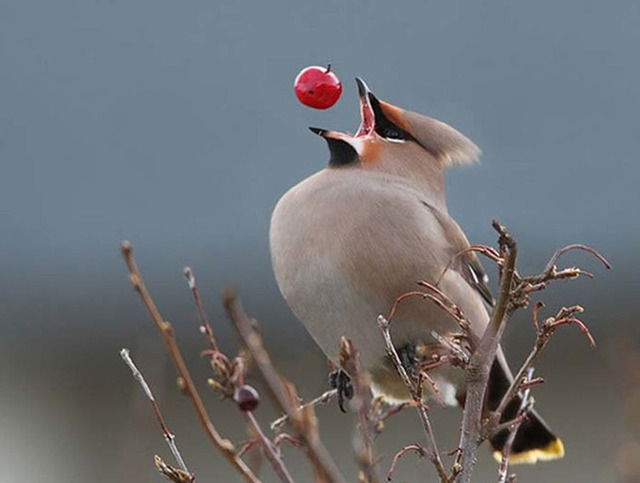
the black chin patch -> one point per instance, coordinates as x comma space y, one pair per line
342, 153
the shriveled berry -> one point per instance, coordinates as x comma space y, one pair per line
317, 87
247, 398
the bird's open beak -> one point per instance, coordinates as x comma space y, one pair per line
367, 118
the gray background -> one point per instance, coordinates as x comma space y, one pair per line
174, 125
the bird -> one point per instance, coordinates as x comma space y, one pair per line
348, 240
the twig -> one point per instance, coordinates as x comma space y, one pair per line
323, 398
445, 303
318, 454
272, 453
380, 415
282, 437
405, 449
488, 252
205, 327
545, 332
242, 450
431, 450
456, 350
363, 442
169, 437
564, 250
506, 449
184, 377
174, 474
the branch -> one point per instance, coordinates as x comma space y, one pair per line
184, 377
564, 250
174, 474
405, 449
169, 437
205, 327
281, 393
363, 443
416, 394
323, 398
477, 373
522, 411
546, 330
273, 455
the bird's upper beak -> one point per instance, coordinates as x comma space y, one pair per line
367, 118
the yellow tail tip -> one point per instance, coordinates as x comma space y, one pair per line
552, 451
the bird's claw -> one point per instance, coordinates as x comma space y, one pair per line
341, 381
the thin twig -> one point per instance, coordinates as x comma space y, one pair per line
318, 454
456, 350
323, 398
432, 448
184, 377
272, 453
506, 449
488, 252
205, 326
544, 335
363, 440
564, 250
282, 437
169, 437
174, 474
405, 449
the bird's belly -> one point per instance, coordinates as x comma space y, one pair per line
329, 306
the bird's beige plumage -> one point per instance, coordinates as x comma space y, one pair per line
348, 240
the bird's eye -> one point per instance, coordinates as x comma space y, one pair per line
391, 132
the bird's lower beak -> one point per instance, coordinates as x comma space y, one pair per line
368, 121
327, 134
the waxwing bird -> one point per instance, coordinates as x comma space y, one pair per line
348, 240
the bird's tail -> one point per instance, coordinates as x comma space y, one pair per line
534, 440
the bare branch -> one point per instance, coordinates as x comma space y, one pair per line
564, 250
205, 327
169, 437
271, 451
185, 381
323, 398
522, 411
363, 442
477, 373
174, 474
280, 392
432, 449
563, 317
488, 252
405, 449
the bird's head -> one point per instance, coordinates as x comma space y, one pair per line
392, 139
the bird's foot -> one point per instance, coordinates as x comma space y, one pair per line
341, 381
409, 359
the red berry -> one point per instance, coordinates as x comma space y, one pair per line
317, 87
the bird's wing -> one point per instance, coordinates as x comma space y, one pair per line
464, 262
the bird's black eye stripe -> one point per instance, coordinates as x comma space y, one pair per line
386, 128
390, 132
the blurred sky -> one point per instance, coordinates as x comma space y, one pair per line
174, 125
